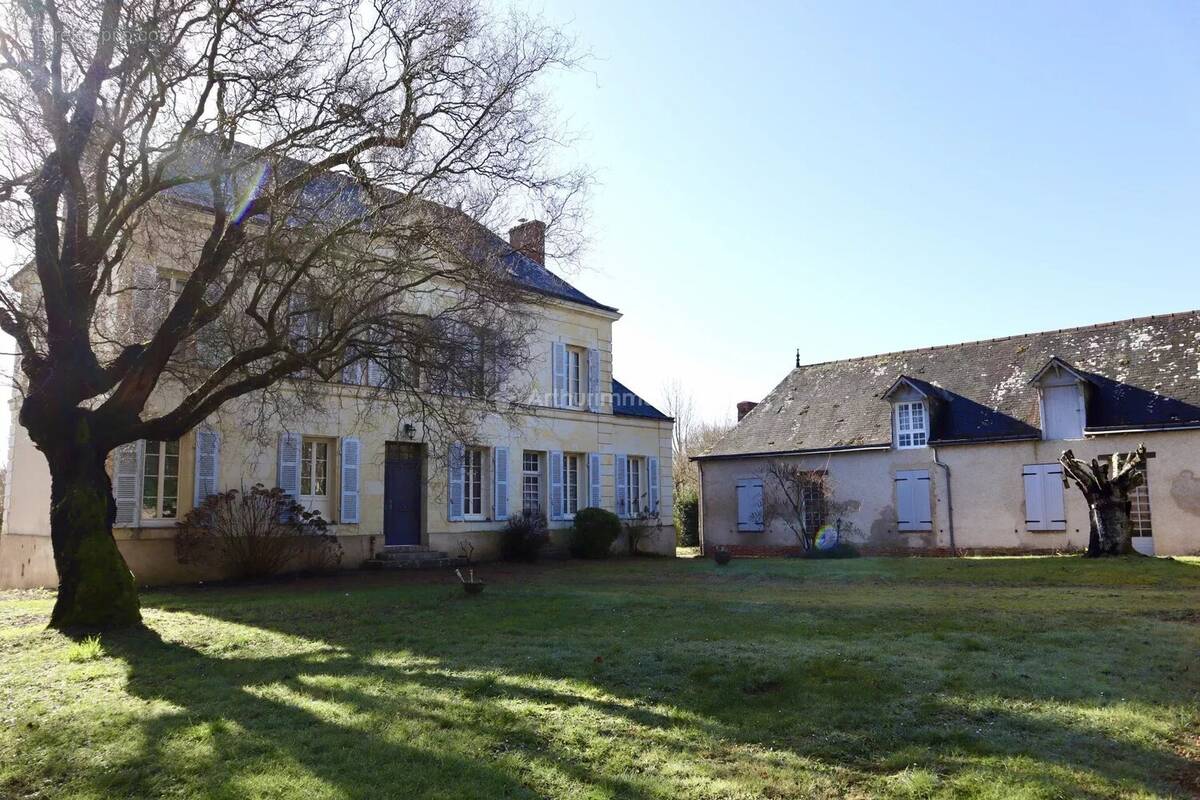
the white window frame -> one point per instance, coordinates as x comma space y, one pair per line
534, 475
634, 485
903, 420
161, 456
473, 483
570, 463
576, 364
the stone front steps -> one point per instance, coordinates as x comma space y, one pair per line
413, 556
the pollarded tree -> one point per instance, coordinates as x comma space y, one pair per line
233, 200
1106, 486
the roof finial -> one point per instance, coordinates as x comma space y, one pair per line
797, 356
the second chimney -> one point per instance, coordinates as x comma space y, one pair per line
744, 408
529, 239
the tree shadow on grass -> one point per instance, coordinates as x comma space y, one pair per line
309, 720
846, 710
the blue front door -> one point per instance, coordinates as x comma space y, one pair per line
402, 496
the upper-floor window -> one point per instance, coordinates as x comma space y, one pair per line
1062, 412
575, 360
912, 425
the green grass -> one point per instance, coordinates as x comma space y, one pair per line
905, 678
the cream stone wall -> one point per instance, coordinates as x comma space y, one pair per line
987, 489
26, 558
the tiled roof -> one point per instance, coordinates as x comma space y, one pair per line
628, 404
335, 194
1142, 373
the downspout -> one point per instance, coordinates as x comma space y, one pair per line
949, 497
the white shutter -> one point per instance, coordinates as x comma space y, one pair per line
1052, 497
353, 373
127, 468
556, 485
749, 505
375, 373
500, 490
454, 493
913, 511
1035, 512
1063, 407
208, 464
559, 358
652, 483
593, 380
351, 467
288, 475
622, 467
1044, 509
594, 480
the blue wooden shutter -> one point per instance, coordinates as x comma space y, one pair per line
454, 493
593, 383
556, 485
652, 483
288, 475
749, 505
559, 376
351, 467
500, 489
127, 469
594, 480
621, 463
208, 464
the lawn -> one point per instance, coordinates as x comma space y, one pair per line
998, 678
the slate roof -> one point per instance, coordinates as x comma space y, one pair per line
628, 404
1142, 373
334, 194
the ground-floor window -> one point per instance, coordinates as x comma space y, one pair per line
314, 475
570, 483
473, 482
531, 482
1139, 507
160, 480
633, 480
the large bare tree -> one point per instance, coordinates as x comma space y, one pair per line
1106, 485
311, 175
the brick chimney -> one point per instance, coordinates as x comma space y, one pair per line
744, 408
529, 238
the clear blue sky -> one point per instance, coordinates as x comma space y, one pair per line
851, 178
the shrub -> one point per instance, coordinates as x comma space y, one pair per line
88, 649
594, 533
256, 534
642, 528
840, 550
524, 536
687, 520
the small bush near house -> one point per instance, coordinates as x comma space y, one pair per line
594, 533
839, 550
256, 534
642, 528
524, 536
687, 520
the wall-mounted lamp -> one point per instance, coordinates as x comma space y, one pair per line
410, 430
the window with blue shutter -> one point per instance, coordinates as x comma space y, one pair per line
208, 464
351, 469
500, 489
913, 510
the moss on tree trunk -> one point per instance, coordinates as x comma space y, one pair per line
95, 587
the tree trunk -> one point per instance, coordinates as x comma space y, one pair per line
1111, 528
95, 587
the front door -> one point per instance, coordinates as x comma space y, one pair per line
402, 495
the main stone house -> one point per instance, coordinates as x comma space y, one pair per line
956, 448
582, 439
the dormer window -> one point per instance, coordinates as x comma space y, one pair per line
1063, 402
912, 425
